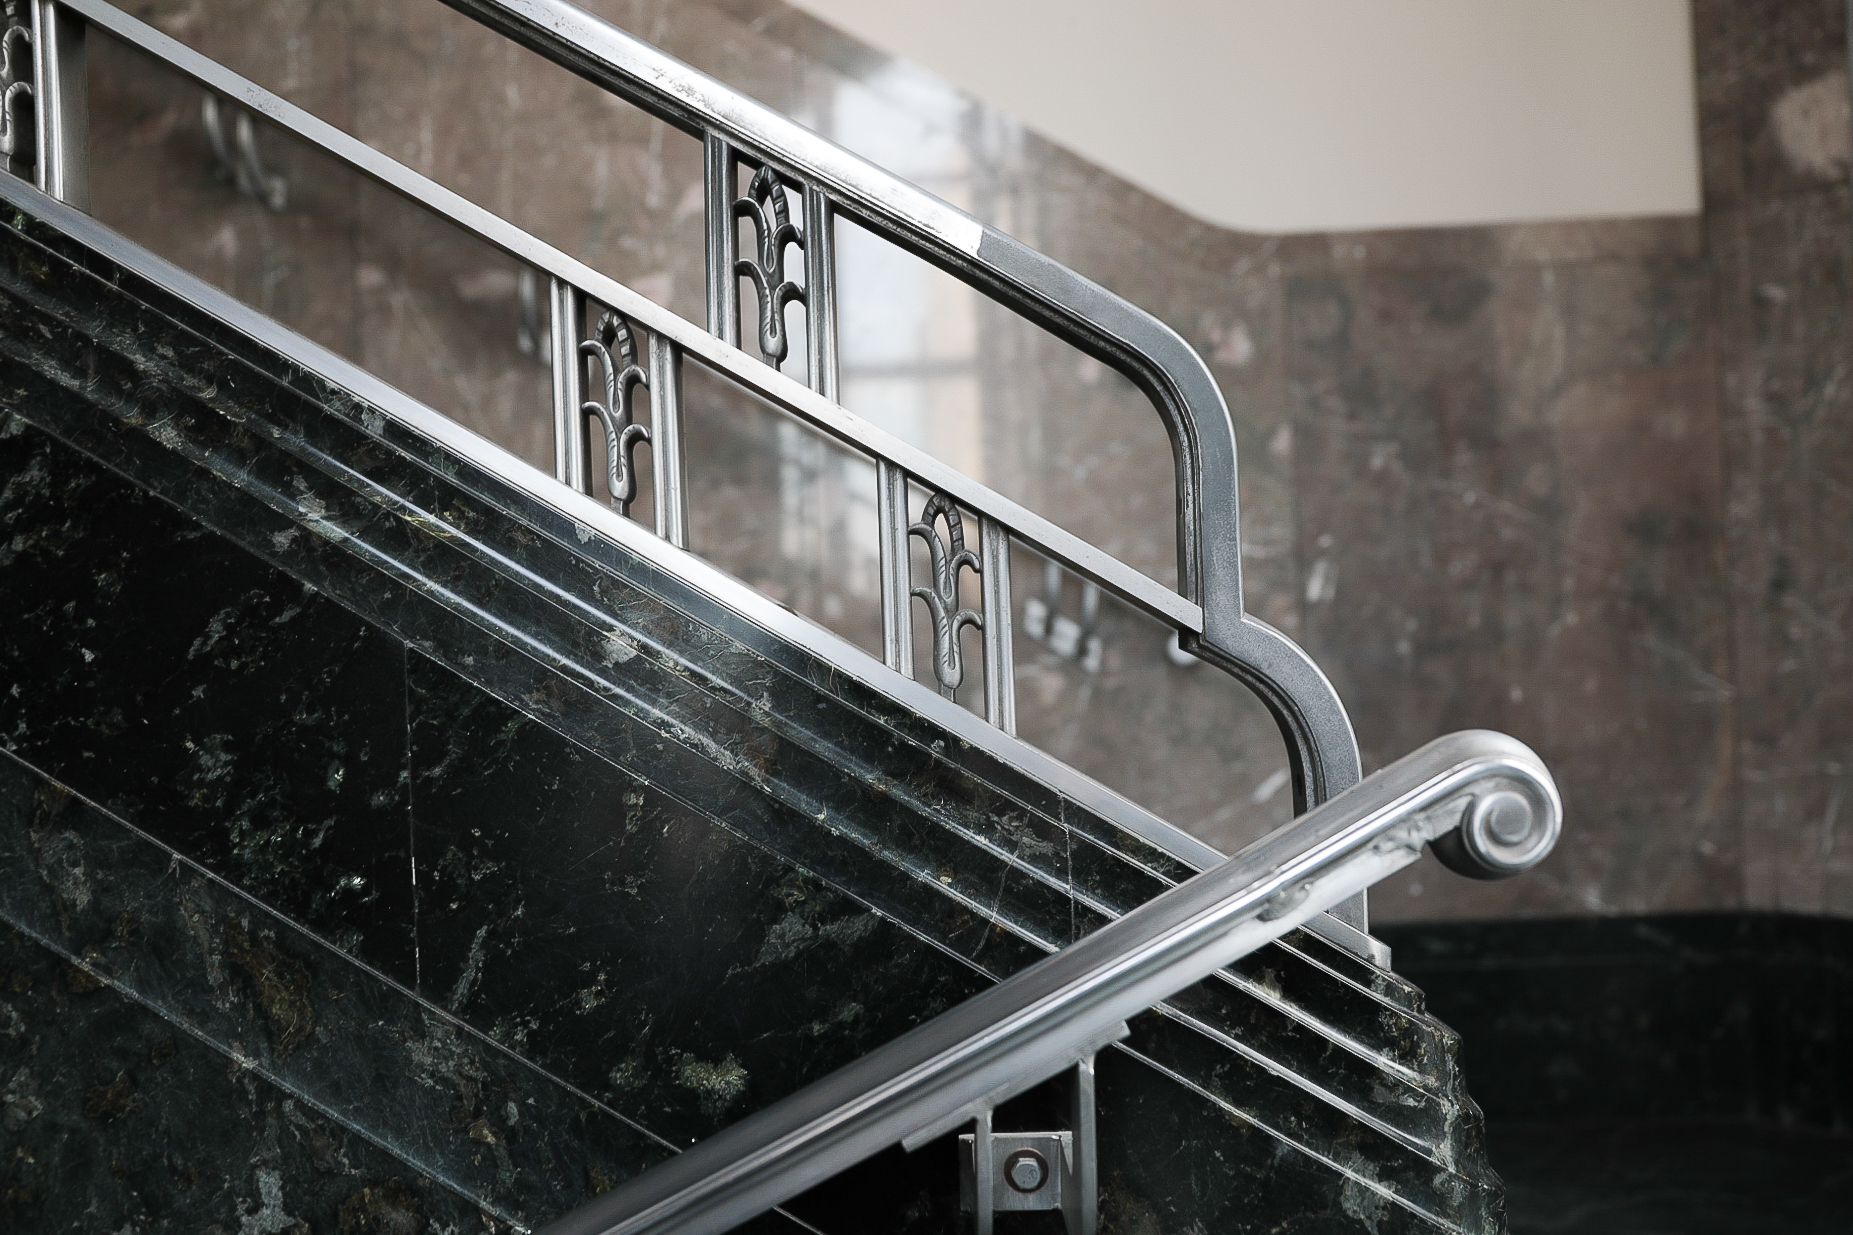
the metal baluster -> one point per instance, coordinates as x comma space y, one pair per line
820, 292
61, 89
1081, 1190
666, 441
984, 1175
1000, 688
897, 616
572, 443
723, 242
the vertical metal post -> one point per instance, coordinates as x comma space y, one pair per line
1081, 1190
61, 90
666, 441
1000, 687
897, 614
723, 242
820, 291
984, 1170
572, 444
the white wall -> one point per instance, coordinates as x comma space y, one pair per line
1298, 115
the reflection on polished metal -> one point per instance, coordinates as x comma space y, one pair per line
765, 206
236, 159
945, 558
17, 138
1000, 695
622, 375
1071, 639
61, 93
820, 292
897, 626
527, 307
566, 329
723, 239
670, 471
961, 1065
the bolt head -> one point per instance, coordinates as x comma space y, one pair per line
1026, 1170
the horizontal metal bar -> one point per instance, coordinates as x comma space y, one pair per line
783, 392
1484, 800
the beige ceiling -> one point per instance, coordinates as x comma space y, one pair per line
1295, 115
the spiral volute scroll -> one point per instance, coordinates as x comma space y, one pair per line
1505, 829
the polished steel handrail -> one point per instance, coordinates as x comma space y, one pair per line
1484, 801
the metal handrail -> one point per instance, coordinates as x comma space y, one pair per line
1484, 801
1320, 741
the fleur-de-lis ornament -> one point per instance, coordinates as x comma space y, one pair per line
18, 145
942, 599
622, 375
773, 229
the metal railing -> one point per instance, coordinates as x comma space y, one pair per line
1483, 801
738, 133
757, 162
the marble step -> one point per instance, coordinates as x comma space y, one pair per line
326, 560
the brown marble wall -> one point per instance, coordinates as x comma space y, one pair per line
1590, 483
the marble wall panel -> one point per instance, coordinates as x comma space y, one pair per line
114, 1119
232, 712
586, 919
1783, 283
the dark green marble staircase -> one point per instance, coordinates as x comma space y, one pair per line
495, 785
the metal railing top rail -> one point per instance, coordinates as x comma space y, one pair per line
780, 389
1320, 741
1484, 801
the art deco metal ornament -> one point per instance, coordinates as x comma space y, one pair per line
622, 375
773, 229
942, 598
18, 143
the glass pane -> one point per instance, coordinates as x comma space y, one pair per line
971, 383
1103, 687
301, 238
782, 508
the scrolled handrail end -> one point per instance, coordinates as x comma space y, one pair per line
1508, 825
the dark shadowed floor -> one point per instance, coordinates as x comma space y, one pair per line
1688, 1178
